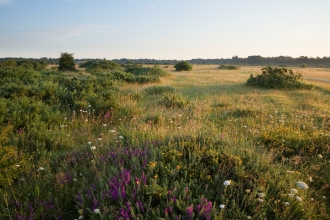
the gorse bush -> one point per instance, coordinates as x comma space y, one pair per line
278, 78
183, 65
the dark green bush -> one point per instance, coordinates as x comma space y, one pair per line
183, 65
228, 67
278, 78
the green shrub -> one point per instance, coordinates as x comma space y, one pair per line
156, 90
183, 65
171, 100
278, 78
228, 67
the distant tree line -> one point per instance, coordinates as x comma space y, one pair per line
283, 61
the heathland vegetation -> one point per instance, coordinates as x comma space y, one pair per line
111, 141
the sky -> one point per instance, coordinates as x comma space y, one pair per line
164, 29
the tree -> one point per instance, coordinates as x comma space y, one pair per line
183, 65
67, 62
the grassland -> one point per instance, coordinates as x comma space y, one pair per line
197, 145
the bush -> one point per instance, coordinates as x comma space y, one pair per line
228, 67
183, 65
66, 62
156, 90
171, 100
278, 78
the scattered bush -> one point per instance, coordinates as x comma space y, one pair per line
183, 65
228, 67
156, 90
171, 100
66, 62
278, 78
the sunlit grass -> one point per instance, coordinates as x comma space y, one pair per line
146, 159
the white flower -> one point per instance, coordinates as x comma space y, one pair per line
302, 185
41, 169
320, 156
81, 217
222, 206
249, 217
74, 180
93, 148
104, 125
291, 195
97, 211
293, 191
298, 198
227, 182
99, 139
261, 195
112, 131
260, 200
120, 137
89, 142
17, 165
286, 203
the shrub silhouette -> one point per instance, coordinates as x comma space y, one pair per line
183, 65
278, 78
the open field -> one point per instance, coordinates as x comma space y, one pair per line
196, 145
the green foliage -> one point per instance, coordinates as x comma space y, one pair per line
99, 66
278, 78
66, 62
183, 65
228, 67
172, 100
157, 90
7, 63
304, 65
11, 163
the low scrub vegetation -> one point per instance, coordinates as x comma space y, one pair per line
278, 78
228, 67
183, 66
97, 147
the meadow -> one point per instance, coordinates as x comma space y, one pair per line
197, 144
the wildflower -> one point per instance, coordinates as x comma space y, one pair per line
89, 142
260, 200
99, 139
291, 195
293, 191
17, 165
89, 106
249, 217
286, 203
93, 148
41, 169
81, 217
104, 125
227, 182
261, 195
302, 185
120, 137
74, 180
324, 197
222, 206
112, 131
320, 156
97, 211
299, 199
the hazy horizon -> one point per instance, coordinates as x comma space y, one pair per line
155, 29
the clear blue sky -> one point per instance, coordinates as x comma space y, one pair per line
164, 29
